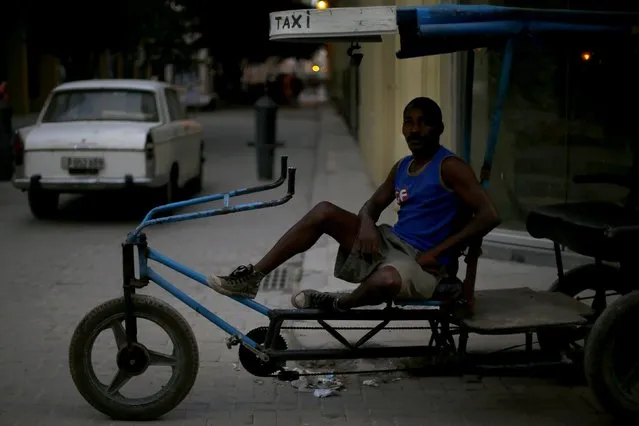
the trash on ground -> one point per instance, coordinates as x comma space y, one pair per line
325, 393
322, 386
371, 383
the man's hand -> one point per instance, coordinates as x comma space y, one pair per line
368, 240
428, 261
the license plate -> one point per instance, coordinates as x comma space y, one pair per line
83, 163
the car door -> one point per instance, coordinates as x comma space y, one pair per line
192, 137
180, 140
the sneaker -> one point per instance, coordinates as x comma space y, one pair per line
244, 281
313, 299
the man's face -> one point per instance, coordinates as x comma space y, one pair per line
419, 135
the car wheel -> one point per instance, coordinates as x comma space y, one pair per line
168, 193
43, 204
172, 189
198, 182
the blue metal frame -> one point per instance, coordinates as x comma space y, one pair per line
421, 28
148, 274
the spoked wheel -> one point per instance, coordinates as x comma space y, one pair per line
255, 365
612, 358
594, 285
109, 396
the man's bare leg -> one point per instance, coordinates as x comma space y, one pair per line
380, 287
324, 218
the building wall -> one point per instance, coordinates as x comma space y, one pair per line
386, 85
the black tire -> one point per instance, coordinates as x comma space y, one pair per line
252, 363
185, 348
576, 281
198, 181
167, 194
43, 204
613, 338
172, 188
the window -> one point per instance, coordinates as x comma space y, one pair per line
102, 105
176, 111
569, 111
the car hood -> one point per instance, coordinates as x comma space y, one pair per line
106, 135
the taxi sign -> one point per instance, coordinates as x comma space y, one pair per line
343, 23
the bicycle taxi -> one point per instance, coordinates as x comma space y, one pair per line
602, 231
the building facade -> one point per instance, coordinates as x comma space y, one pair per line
568, 112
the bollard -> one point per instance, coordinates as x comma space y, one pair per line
265, 124
6, 136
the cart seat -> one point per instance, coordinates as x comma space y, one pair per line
448, 290
593, 229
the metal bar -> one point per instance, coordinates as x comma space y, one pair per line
225, 196
558, 260
493, 137
212, 212
456, 13
128, 275
188, 272
364, 353
369, 335
468, 105
359, 314
197, 307
336, 335
511, 28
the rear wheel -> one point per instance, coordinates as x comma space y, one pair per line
43, 204
592, 284
612, 358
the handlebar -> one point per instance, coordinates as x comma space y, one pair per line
609, 178
285, 172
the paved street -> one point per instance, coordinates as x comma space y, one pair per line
53, 273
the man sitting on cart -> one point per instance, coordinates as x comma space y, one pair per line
404, 261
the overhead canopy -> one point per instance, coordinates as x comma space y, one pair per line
451, 28
447, 28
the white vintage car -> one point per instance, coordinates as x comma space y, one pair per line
100, 135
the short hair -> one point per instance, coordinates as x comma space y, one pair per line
429, 108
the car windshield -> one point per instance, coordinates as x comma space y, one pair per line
102, 105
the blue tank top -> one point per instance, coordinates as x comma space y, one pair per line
427, 209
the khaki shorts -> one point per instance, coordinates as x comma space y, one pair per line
350, 266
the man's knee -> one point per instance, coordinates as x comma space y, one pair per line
386, 278
325, 212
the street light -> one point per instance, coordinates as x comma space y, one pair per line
321, 4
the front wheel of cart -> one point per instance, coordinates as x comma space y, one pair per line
117, 396
612, 358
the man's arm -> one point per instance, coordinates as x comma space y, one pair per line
381, 198
459, 177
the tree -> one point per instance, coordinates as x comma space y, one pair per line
77, 32
239, 30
